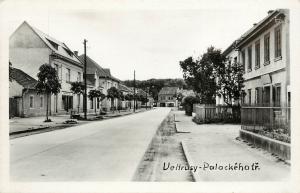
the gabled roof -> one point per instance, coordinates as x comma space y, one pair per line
22, 78
122, 87
168, 90
58, 47
92, 67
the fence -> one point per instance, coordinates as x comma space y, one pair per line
266, 119
206, 113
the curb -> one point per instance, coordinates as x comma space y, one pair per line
189, 160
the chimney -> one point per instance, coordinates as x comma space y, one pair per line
270, 11
254, 24
76, 53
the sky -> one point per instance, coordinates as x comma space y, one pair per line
146, 36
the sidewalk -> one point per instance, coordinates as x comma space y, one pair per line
18, 124
211, 144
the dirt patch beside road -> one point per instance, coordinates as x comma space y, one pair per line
164, 151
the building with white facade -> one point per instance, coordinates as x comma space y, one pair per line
29, 48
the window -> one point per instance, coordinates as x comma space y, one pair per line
68, 75
276, 95
258, 95
235, 60
70, 53
257, 55
79, 77
31, 101
41, 101
53, 44
267, 48
56, 68
278, 42
249, 58
98, 103
243, 60
91, 104
249, 96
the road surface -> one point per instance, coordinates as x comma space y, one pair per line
100, 151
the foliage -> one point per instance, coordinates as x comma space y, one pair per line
230, 82
201, 74
113, 93
155, 85
96, 94
48, 82
128, 97
190, 100
77, 87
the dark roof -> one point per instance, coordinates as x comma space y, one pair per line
168, 90
92, 67
122, 87
22, 78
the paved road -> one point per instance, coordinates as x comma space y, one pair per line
107, 150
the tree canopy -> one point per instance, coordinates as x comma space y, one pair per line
211, 75
201, 74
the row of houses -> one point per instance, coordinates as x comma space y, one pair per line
264, 53
29, 48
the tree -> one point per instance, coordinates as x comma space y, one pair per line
113, 93
201, 74
96, 94
48, 83
230, 82
129, 97
77, 88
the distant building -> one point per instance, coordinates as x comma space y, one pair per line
167, 97
23, 98
29, 48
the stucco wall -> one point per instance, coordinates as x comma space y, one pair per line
15, 89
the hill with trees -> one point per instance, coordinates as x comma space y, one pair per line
154, 85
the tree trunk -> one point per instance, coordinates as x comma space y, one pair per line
47, 107
95, 106
78, 102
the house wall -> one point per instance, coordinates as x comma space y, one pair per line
36, 110
15, 89
277, 68
28, 52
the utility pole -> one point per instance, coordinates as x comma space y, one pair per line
134, 91
85, 85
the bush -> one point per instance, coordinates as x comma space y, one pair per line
188, 102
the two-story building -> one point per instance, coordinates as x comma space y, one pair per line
167, 97
264, 52
100, 79
29, 48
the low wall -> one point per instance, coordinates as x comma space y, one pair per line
283, 150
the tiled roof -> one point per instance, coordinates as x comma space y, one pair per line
56, 46
168, 90
22, 78
122, 87
93, 67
